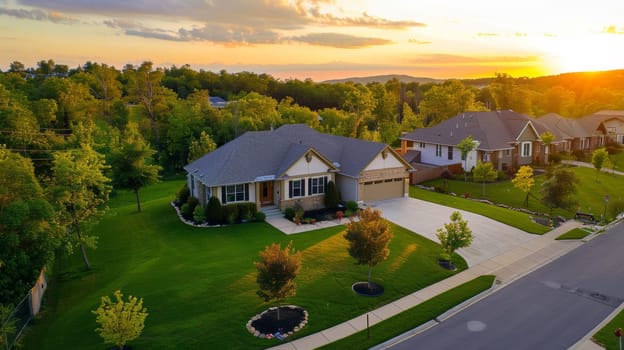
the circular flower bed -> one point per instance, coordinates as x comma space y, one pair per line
266, 325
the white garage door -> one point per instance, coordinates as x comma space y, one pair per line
381, 189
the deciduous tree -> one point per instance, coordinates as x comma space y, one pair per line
547, 138
369, 238
454, 235
523, 180
484, 172
466, 146
200, 147
277, 270
80, 190
120, 321
131, 163
599, 157
558, 190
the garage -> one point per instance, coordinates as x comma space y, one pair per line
381, 189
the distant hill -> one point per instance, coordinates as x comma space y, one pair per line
385, 78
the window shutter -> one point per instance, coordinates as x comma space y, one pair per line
309, 187
223, 198
290, 189
302, 187
246, 192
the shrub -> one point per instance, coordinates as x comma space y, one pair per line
501, 176
214, 213
348, 213
439, 189
555, 158
260, 216
332, 197
616, 207
289, 213
352, 205
446, 174
199, 215
578, 154
247, 210
230, 213
183, 195
299, 212
190, 205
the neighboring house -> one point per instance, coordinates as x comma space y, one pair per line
292, 165
586, 133
505, 138
217, 102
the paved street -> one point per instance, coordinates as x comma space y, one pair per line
551, 308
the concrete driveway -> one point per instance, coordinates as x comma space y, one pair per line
491, 238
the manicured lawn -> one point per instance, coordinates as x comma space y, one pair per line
606, 337
199, 284
513, 218
414, 317
590, 192
618, 161
576, 233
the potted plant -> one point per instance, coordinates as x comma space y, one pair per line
339, 215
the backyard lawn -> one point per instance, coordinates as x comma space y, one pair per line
198, 284
590, 192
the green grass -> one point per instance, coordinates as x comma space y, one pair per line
413, 317
605, 336
513, 218
590, 192
618, 161
576, 233
199, 286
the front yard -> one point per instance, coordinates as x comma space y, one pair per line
590, 192
198, 284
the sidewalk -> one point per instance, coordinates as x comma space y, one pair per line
589, 165
507, 267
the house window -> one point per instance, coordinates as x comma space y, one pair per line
438, 151
526, 149
192, 184
507, 152
235, 193
207, 194
450, 152
422, 145
486, 157
317, 185
296, 188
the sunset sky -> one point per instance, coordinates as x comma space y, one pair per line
321, 39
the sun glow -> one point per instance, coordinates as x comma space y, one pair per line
594, 53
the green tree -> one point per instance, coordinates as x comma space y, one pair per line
547, 139
277, 270
599, 157
360, 103
369, 238
130, 163
80, 190
8, 326
446, 100
524, 180
558, 190
484, 172
199, 148
466, 146
454, 235
332, 197
120, 321
29, 233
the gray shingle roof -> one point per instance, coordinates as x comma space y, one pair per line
494, 129
271, 153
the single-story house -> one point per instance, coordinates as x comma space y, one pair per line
292, 165
505, 138
586, 133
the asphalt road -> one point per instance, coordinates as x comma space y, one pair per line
550, 308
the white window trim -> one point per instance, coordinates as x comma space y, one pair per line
530, 150
438, 151
319, 188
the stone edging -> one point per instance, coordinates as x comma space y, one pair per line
297, 328
189, 222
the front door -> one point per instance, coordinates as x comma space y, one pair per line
266, 193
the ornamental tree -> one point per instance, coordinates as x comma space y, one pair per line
277, 270
369, 238
120, 321
523, 180
484, 172
599, 158
558, 191
455, 234
466, 146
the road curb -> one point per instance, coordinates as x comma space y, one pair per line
599, 326
405, 336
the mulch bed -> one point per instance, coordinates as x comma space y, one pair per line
266, 324
362, 288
